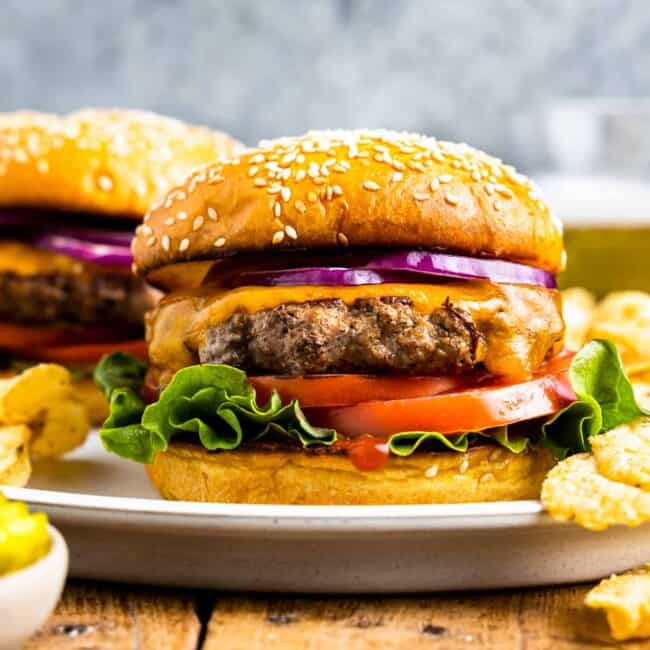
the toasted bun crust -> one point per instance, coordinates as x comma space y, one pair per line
353, 188
101, 161
190, 473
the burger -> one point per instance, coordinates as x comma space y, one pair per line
356, 317
71, 190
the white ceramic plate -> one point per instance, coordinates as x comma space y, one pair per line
118, 529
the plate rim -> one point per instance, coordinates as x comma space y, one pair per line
528, 510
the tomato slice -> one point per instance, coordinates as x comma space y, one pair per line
87, 353
467, 410
25, 337
344, 390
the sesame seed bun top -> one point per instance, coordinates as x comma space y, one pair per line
352, 188
100, 161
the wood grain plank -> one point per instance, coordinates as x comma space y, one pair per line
540, 619
120, 618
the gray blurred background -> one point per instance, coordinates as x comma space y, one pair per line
474, 70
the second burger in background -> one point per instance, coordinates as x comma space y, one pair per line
380, 324
72, 188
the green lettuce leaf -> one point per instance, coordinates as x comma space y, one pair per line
605, 400
212, 401
119, 370
216, 404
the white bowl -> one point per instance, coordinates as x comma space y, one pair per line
29, 596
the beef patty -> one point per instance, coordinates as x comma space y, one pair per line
73, 299
372, 335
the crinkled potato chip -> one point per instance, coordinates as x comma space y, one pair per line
626, 601
574, 490
63, 427
15, 466
39, 416
23, 398
623, 454
578, 306
642, 393
624, 318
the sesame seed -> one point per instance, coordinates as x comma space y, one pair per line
220, 242
337, 190
397, 176
434, 185
300, 158
105, 183
259, 182
277, 209
212, 214
421, 196
495, 455
300, 206
291, 232
274, 189
181, 216
258, 158
497, 206
312, 197
445, 178
286, 194
319, 180
146, 230
215, 180
184, 245
343, 240
151, 241
476, 176
339, 168
278, 237
166, 242
170, 221
503, 190
489, 188
253, 170
451, 199
456, 164
398, 165
42, 166
431, 472
488, 476
198, 222
371, 186
464, 466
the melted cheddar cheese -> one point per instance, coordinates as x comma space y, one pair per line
23, 259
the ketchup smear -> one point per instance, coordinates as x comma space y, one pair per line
366, 453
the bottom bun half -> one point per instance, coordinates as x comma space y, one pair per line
190, 473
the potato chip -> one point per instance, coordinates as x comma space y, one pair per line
63, 427
24, 397
574, 490
623, 454
578, 306
642, 394
624, 318
626, 601
15, 466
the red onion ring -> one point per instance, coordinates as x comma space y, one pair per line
405, 266
96, 253
462, 267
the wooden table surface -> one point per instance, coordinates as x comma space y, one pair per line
95, 616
